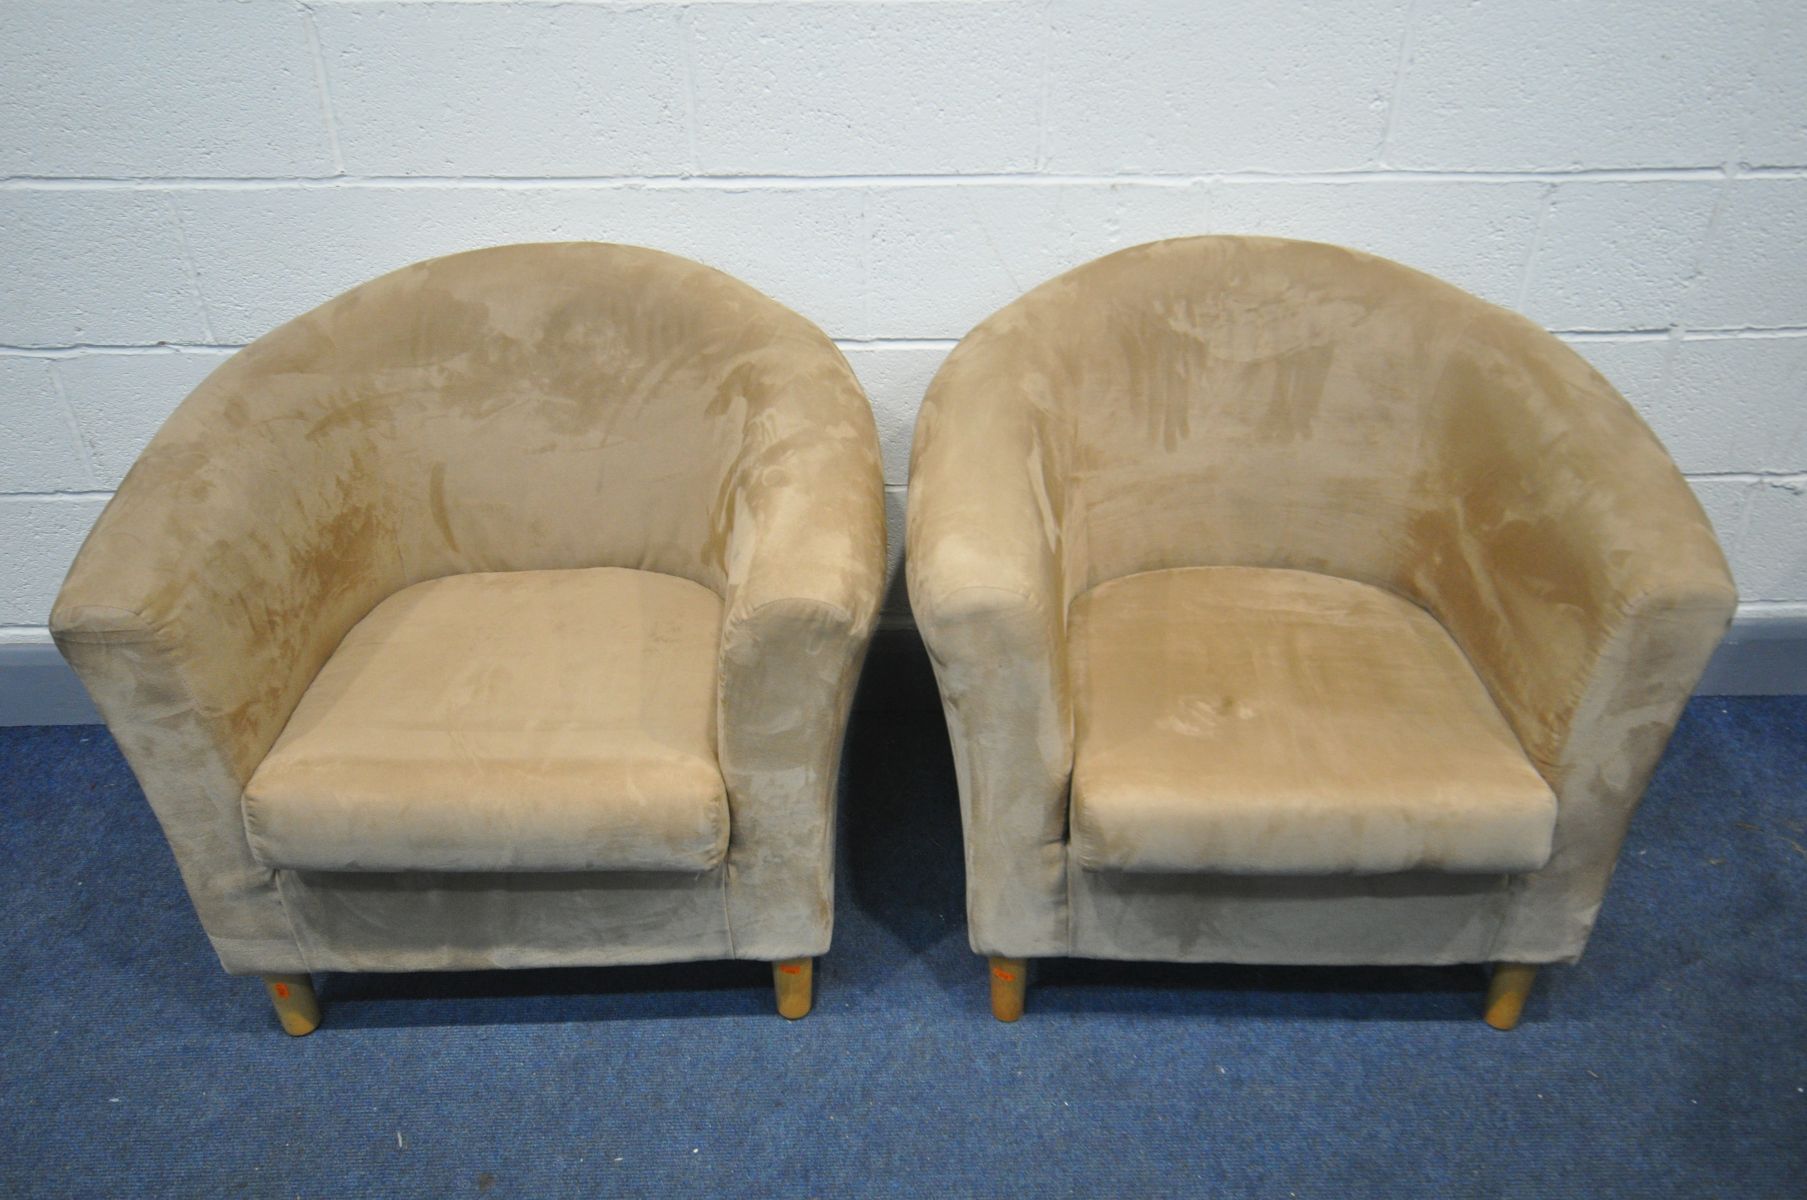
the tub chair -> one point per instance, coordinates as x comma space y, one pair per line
502, 612
1289, 606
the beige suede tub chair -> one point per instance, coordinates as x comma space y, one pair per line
1290, 606
502, 612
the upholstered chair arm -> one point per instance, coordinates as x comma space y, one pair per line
1576, 569
983, 558
231, 560
805, 563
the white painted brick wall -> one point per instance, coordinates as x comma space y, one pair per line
895, 377
415, 89
1231, 86
1617, 255
38, 447
176, 87
80, 266
1752, 270
1776, 129
865, 89
1775, 561
1518, 85
177, 178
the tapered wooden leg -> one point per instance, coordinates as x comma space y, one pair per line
1506, 993
296, 1005
1009, 978
791, 979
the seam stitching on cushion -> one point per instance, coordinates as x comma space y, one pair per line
727, 911
98, 638
142, 630
718, 823
832, 609
282, 901
936, 603
1511, 887
254, 838
1074, 826
1375, 584
1067, 869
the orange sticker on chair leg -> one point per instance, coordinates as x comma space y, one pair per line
791, 969
1001, 973
282, 991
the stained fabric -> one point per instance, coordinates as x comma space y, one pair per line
1256, 402
1251, 721
523, 720
526, 408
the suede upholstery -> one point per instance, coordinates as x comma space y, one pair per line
1228, 402
544, 409
1251, 721
570, 728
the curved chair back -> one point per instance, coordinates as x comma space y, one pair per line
1254, 401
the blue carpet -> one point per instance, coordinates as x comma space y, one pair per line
1671, 1062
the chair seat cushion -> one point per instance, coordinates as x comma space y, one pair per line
527, 721
1255, 721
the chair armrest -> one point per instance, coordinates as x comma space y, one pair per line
241, 553
805, 565
986, 586
1560, 517
225, 570
1578, 572
1646, 667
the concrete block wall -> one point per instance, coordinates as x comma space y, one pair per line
177, 178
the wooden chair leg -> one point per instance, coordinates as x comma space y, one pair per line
1506, 993
1009, 980
792, 979
296, 1005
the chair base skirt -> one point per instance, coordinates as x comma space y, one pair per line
298, 1007
1507, 991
